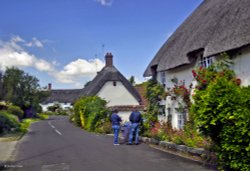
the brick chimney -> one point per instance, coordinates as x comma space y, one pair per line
49, 86
109, 59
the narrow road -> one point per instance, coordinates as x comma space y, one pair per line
56, 144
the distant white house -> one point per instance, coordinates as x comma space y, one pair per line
64, 97
109, 84
112, 86
214, 27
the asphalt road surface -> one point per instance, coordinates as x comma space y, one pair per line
57, 145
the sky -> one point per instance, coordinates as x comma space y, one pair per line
64, 42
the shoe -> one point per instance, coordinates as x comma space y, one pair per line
116, 144
136, 143
129, 144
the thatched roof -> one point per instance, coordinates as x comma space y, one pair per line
109, 73
215, 26
63, 96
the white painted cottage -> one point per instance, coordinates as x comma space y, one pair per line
216, 26
112, 86
64, 97
109, 84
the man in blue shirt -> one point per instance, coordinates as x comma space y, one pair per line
116, 120
135, 118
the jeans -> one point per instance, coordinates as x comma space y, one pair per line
134, 129
116, 129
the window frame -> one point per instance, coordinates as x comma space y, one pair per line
205, 62
180, 120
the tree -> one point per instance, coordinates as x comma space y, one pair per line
154, 93
86, 84
132, 80
1, 86
22, 89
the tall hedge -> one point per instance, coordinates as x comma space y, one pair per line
90, 112
222, 111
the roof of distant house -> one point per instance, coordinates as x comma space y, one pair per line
63, 96
214, 27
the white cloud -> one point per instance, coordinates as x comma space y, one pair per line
13, 54
43, 65
139, 80
105, 2
79, 69
35, 43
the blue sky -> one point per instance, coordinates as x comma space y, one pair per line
63, 42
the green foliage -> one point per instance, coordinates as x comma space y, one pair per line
180, 91
86, 84
43, 116
154, 93
21, 89
132, 80
56, 109
189, 136
90, 113
15, 110
221, 110
8, 122
105, 128
25, 124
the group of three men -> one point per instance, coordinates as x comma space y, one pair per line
135, 118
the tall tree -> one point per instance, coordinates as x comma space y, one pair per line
21, 89
132, 80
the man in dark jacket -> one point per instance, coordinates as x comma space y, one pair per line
135, 119
116, 120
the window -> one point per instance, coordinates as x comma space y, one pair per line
180, 120
162, 110
114, 83
163, 78
205, 62
169, 115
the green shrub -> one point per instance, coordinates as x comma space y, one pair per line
25, 124
8, 122
90, 113
54, 107
43, 116
105, 128
15, 110
61, 112
222, 111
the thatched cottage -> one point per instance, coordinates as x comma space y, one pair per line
108, 84
216, 26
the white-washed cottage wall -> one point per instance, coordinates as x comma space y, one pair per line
240, 65
116, 94
183, 73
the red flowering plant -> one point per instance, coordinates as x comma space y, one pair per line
204, 76
180, 90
